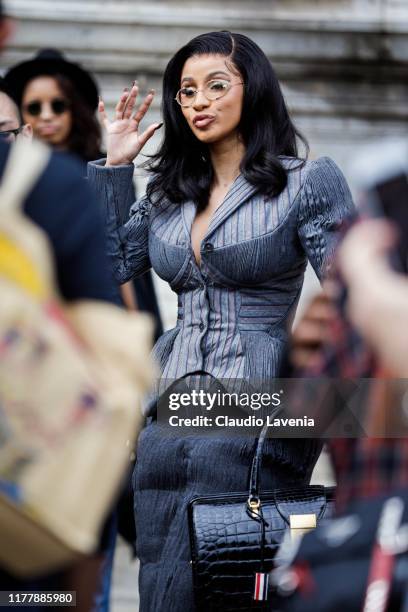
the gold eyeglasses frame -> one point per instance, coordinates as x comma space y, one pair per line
230, 85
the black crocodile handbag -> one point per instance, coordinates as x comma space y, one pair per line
235, 538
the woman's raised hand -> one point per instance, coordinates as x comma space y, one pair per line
123, 141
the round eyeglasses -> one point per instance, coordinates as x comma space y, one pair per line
213, 90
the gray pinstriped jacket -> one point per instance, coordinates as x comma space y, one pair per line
233, 310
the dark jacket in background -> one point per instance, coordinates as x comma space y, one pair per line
64, 206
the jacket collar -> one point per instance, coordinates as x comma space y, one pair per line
240, 191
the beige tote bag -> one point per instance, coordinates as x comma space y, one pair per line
71, 382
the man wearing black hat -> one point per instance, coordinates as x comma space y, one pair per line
65, 208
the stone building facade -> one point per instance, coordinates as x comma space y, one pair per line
343, 63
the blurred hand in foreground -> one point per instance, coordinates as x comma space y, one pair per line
377, 303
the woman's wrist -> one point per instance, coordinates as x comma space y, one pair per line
111, 163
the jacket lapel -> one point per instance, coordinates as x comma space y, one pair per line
188, 212
239, 193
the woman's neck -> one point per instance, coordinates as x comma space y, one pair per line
61, 147
226, 157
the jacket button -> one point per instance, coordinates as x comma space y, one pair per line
208, 247
201, 326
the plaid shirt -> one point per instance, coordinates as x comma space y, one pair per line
366, 466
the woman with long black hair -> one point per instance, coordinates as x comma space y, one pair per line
230, 218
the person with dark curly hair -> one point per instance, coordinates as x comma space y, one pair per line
58, 98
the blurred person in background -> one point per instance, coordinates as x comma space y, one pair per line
357, 328
58, 99
377, 301
11, 125
362, 333
376, 304
64, 206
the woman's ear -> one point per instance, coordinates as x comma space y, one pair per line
27, 131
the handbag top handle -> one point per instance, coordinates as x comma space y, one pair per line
254, 480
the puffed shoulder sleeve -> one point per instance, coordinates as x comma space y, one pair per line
325, 202
127, 236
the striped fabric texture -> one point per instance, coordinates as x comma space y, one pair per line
261, 587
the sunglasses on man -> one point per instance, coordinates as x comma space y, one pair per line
58, 107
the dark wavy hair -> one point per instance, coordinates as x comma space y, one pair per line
5, 89
182, 168
85, 136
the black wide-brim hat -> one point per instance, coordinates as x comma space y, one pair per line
49, 62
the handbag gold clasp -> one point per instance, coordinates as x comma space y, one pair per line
254, 503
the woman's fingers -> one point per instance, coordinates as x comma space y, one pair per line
130, 102
125, 107
121, 105
102, 113
148, 133
144, 107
